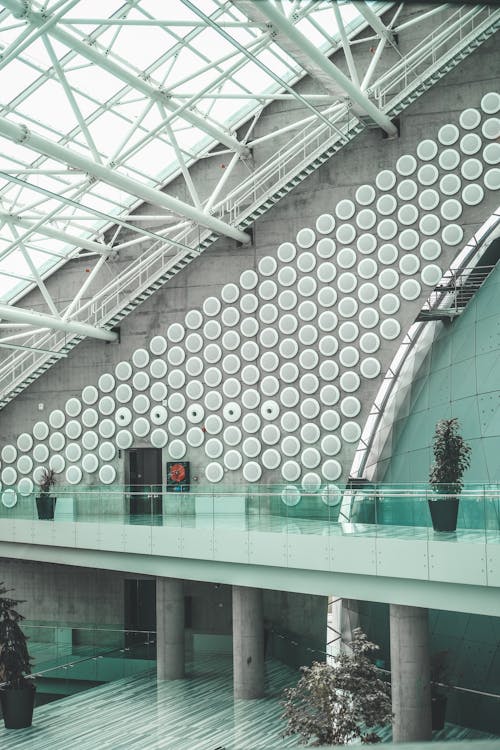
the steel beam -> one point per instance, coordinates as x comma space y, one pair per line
21, 9
19, 315
316, 63
56, 234
22, 135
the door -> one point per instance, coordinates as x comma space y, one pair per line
140, 617
145, 482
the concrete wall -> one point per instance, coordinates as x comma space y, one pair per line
355, 165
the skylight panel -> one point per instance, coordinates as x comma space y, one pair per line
18, 78
50, 101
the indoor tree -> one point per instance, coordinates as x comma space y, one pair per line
333, 704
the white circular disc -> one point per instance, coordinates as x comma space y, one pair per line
490, 103
491, 153
427, 149
429, 224
250, 374
325, 224
213, 400
410, 289
472, 195
213, 424
388, 278
211, 305
346, 257
107, 451
389, 304
309, 383
450, 184
290, 446
367, 293
269, 385
492, 179
349, 382
231, 362
214, 448
251, 423
252, 472
349, 356
471, 169
427, 174
271, 459
330, 420
175, 333
141, 427
366, 243
430, 249
328, 370
387, 229
268, 313
448, 134
290, 471
491, 128
311, 482
431, 275
40, 430
232, 435
286, 252
367, 268
366, 218
40, 453
231, 340
409, 264
74, 475
230, 293
470, 144
470, 118
158, 345
365, 195
385, 180
57, 419
251, 447
329, 395
390, 328
328, 345
309, 408
331, 495
194, 343
387, 254
290, 496
123, 395
406, 165
25, 486
408, 239
308, 359
177, 449
158, 415
307, 286
305, 238
350, 406
289, 397
249, 302
407, 214
351, 432
175, 355
325, 247
310, 433
232, 411
386, 204
451, 209
107, 428
449, 159
331, 470
270, 410
345, 209
249, 327
347, 282
159, 437
24, 464
233, 460
452, 234
306, 262
310, 458
287, 300
345, 233
269, 362
124, 439
212, 329
368, 317
369, 368
140, 381
106, 407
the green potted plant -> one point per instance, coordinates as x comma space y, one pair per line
17, 694
45, 502
451, 460
333, 704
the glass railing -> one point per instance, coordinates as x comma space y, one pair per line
69, 658
362, 509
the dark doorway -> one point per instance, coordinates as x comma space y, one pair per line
145, 482
140, 617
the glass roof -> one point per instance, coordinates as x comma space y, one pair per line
140, 88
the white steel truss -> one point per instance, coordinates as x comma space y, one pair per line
139, 98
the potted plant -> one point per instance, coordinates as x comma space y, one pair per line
45, 502
451, 459
17, 694
439, 699
333, 704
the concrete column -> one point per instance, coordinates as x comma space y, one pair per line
410, 667
169, 629
248, 643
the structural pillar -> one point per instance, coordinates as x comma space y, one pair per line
169, 629
410, 669
248, 643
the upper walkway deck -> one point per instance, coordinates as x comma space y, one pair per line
387, 551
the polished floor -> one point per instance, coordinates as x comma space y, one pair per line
197, 713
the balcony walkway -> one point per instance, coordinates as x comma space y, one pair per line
410, 565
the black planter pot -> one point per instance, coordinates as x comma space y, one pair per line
438, 711
444, 513
45, 505
17, 706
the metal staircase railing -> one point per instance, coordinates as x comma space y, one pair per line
399, 87
455, 290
